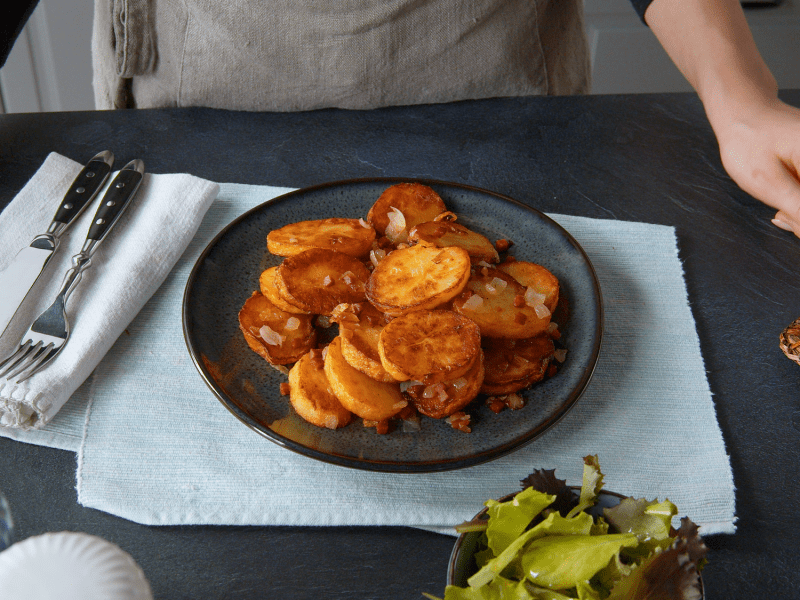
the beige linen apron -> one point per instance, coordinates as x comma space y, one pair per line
304, 54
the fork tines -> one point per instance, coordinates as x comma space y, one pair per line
29, 358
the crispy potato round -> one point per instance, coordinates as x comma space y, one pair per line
447, 233
353, 237
417, 202
360, 327
418, 277
443, 399
283, 341
512, 365
501, 310
267, 284
360, 394
317, 280
429, 346
535, 276
311, 395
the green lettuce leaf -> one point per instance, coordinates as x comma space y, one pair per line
499, 589
554, 524
591, 486
507, 520
562, 562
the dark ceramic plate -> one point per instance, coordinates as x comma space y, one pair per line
227, 273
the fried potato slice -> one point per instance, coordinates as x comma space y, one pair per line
359, 393
447, 233
416, 202
500, 310
267, 284
311, 395
534, 276
418, 277
317, 280
353, 237
429, 346
360, 327
276, 335
443, 399
512, 365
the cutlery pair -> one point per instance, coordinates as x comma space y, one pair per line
50, 331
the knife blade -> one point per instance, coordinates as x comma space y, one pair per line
21, 274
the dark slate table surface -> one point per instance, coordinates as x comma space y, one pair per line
650, 158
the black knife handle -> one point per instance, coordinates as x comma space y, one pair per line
85, 187
116, 199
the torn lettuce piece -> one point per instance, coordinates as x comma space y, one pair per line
651, 522
591, 485
507, 520
565, 561
554, 524
499, 589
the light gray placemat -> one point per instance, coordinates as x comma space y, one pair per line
159, 448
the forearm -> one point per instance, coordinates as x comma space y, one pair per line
711, 44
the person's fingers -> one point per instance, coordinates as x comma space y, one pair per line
775, 184
785, 222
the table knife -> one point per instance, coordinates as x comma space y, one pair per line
19, 276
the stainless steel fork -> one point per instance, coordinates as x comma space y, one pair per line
50, 331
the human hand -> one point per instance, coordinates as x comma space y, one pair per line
760, 149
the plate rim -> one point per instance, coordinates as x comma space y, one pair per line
387, 466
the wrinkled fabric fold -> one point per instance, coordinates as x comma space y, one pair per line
126, 269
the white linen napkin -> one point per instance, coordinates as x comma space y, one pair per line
156, 447
126, 269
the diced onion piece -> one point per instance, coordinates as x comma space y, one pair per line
327, 281
514, 401
429, 391
397, 224
552, 326
324, 352
404, 385
411, 424
541, 311
483, 263
347, 276
532, 297
460, 383
490, 288
473, 303
292, 323
500, 284
560, 355
272, 337
376, 256
364, 224
399, 405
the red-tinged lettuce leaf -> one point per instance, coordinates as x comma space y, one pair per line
591, 486
544, 480
695, 546
669, 575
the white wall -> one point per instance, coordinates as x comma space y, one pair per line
50, 66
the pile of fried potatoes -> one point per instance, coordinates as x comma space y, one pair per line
428, 316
